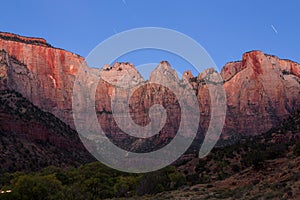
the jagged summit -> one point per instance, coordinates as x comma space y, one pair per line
115, 72
261, 90
165, 64
163, 72
256, 59
260, 62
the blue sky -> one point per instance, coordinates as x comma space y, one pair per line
226, 29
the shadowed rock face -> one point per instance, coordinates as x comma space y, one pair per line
261, 90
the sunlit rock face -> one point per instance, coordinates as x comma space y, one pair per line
261, 90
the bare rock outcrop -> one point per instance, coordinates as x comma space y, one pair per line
261, 90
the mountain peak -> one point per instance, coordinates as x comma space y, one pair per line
164, 72
260, 63
50, 73
116, 72
164, 64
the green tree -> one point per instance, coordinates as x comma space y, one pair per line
297, 149
177, 180
125, 186
121, 188
28, 187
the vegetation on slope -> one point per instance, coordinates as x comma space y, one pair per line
264, 165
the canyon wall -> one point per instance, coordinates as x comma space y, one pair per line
261, 89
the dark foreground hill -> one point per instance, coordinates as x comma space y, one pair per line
31, 139
263, 167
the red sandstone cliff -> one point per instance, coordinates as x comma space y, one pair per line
261, 90
47, 76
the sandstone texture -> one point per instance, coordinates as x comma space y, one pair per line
261, 90
47, 74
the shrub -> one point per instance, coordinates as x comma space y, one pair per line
177, 180
36, 187
255, 159
235, 168
297, 149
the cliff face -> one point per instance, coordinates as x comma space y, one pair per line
46, 76
261, 90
